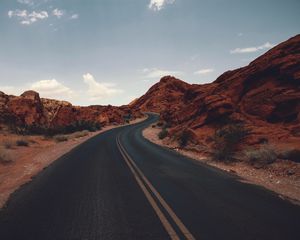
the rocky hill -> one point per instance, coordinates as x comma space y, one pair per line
31, 111
265, 96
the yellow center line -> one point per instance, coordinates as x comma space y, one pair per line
172, 214
173, 235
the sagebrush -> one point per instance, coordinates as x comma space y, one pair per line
226, 140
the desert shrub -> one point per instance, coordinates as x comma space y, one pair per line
160, 124
81, 134
262, 156
22, 142
5, 158
226, 139
60, 138
184, 138
163, 133
127, 117
8, 144
51, 131
292, 154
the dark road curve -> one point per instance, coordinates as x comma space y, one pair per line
118, 185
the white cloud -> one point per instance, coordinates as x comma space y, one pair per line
58, 13
27, 18
74, 16
267, 45
52, 89
26, 2
99, 91
17, 13
158, 73
158, 5
204, 71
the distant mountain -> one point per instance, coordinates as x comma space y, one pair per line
265, 96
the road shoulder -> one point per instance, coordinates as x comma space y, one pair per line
287, 187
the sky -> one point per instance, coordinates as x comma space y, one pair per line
111, 51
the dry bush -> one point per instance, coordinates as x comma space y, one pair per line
262, 156
8, 144
5, 157
23, 142
160, 124
81, 134
292, 154
163, 133
225, 141
60, 138
184, 138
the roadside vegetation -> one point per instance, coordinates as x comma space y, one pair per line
61, 138
260, 157
184, 138
226, 141
163, 133
5, 157
291, 154
76, 126
23, 142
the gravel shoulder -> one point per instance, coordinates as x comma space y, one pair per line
275, 177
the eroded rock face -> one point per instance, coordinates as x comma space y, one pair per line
265, 95
30, 110
27, 109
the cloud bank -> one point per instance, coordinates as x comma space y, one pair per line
204, 71
27, 18
99, 91
267, 45
158, 73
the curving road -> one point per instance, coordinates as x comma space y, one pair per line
118, 185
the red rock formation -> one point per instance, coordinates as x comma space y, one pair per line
29, 110
24, 110
265, 95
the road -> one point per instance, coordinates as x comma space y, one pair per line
118, 185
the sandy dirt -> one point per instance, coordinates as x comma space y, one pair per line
26, 162
282, 177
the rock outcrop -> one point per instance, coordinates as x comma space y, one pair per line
29, 110
265, 96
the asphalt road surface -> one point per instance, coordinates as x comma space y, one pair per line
118, 185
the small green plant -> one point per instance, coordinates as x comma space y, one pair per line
60, 138
163, 133
22, 142
262, 156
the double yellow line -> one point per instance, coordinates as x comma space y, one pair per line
153, 197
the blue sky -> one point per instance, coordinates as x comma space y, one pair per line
112, 51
